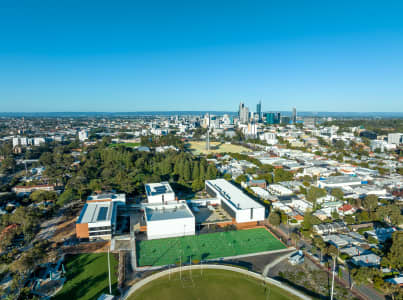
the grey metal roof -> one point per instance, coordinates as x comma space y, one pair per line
96, 212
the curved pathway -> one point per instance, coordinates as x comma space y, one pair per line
152, 277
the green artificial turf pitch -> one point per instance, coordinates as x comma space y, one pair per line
205, 246
210, 285
87, 277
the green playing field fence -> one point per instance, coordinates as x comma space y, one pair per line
205, 246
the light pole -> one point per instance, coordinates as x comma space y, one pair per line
334, 266
109, 273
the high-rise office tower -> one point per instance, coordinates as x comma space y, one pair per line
294, 115
243, 113
259, 111
273, 118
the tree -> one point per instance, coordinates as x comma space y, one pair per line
370, 202
196, 171
211, 172
314, 193
178, 167
359, 276
338, 193
95, 185
349, 219
332, 250
274, 218
241, 178
389, 213
66, 197
335, 215
8, 164
30, 258
202, 171
319, 243
186, 171
282, 175
309, 221
395, 254
394, 290
227, 176
363, 217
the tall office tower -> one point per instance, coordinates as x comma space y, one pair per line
208, 139
243, 113
206, 121
208, 133
240, 111
259, 111
272, 118
294, 115
277, 117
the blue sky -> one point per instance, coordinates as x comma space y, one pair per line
200, 55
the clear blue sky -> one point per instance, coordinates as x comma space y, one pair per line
69, 55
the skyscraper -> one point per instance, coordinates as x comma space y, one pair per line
272, 118
259, 111
294, 115
243, 113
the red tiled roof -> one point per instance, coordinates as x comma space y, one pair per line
346, 207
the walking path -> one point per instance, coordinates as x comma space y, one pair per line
275, 262
152, 277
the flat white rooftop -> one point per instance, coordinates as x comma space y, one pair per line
96, 212
107, 196
167, 212
153, 189
234, 195
341, 180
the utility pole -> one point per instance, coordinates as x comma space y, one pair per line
109, 273
334, 267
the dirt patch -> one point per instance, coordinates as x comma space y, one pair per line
65, 230
93, 247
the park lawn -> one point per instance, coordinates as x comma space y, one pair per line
210, 285
87, 276
205, 246
198, 147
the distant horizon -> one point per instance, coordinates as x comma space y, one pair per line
196, 110
199, 112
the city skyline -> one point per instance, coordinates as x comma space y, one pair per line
94, 57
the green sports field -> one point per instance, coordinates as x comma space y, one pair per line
210, 285
205, 246
87, 276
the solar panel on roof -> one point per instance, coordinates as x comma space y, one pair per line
160, 189
102, 214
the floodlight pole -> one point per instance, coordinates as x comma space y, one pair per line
334, 267
190, 265
180, 267
109, 274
